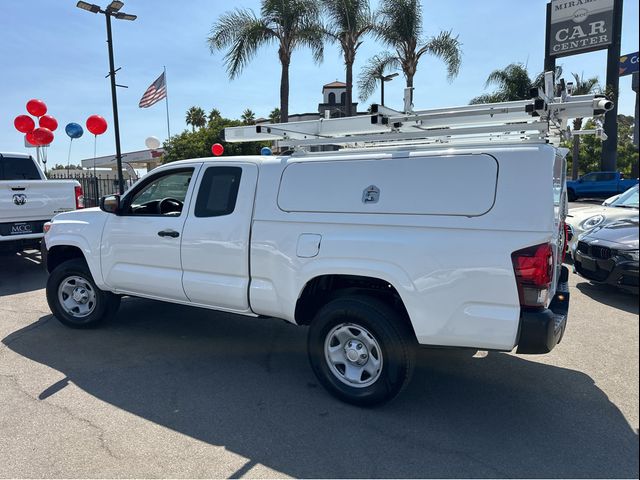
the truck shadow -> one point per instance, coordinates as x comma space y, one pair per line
21, 272
245, 384
611, 296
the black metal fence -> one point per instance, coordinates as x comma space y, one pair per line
93, 186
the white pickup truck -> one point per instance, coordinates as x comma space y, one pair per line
28, 200
374, 250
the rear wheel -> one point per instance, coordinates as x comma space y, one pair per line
361, 350
75, 299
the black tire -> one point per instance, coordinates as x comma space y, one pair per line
571, 195
102, 305
388, 329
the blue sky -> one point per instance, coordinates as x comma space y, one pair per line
53, 51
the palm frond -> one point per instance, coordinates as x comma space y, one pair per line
585, 87
400, 21
312, 35
446, 47
376, 66
244, 34
487, 98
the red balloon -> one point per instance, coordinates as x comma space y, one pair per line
47, 121
31, 138
24, 123
96, 124
37, 108
43, 136
217, 149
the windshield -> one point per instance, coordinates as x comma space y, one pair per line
628, 199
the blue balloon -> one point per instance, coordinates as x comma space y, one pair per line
74, 130
265, 151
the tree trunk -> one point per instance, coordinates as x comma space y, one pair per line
575, 164
410, 85
349, 95
576, 157
284, 91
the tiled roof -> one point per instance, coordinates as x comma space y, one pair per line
335, 84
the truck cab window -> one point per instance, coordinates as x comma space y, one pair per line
164, 195
218, 191
12, 168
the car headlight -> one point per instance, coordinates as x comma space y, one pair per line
592, 222
628, 254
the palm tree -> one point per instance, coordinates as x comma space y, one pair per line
400, 27
513, 82
349, 20
288, 23
373, 72
274, 116
580, 87
196, 118
248, 117
214, 114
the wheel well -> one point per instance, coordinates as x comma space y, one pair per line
62, 253
320, 290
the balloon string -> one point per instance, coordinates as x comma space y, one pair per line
95, 141
69, 155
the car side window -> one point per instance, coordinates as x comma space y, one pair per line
607, 177
591, 177
163, 195
218, 191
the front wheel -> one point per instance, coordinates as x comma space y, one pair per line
361, 350
75, 299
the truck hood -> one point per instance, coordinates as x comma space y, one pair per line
619, 232
83, 214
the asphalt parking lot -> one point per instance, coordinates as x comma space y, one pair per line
168, 391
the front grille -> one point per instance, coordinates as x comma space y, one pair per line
603, 253
583, 247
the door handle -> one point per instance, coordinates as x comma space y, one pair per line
168, 233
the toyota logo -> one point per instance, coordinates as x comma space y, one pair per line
19, 199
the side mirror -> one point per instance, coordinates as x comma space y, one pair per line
110, 204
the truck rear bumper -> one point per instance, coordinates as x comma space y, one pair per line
541, 330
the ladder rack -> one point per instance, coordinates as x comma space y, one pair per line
543, 118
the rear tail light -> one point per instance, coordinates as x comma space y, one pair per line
79, 197
533, 267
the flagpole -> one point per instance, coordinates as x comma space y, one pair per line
166, 100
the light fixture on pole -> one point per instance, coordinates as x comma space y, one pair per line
112, 10
383, 79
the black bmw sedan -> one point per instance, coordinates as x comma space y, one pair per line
609, 254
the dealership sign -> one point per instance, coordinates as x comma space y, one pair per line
628, 64
580, 26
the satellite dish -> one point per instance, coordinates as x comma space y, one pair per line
152, 143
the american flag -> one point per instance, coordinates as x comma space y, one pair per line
156, 92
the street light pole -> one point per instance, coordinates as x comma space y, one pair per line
114, 101
112, 10
383, 79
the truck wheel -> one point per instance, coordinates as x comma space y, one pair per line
571, 195
74, 298
361, 350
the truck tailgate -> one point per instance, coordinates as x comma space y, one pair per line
24, 200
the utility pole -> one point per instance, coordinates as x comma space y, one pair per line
608, 160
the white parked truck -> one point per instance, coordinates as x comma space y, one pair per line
28, 200
378, 250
